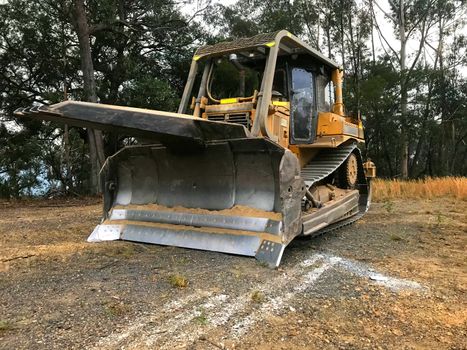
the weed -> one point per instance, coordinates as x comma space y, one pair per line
388, 205
128, 251
257, 296
183, 260
439, 219
237, 272
179, 260
201, 319
395, 237
115, 309
6, 326
125, 251
178, 281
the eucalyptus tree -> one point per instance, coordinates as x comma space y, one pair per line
113, 51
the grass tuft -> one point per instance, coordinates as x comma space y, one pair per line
257, 296
389, 206
428, 188
124, 251
6, 326
178, 281
395, 237
116, 309
201, 319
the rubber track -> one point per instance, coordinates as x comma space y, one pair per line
324, 165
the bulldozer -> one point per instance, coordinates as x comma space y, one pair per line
260, 152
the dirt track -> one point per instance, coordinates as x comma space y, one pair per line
397, 279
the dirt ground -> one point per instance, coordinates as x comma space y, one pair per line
397, 279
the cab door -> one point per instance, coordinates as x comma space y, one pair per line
303, 112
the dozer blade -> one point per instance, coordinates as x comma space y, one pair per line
168, 128
203, 184
238, 196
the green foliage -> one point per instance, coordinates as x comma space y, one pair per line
148, 92
201, 318
226, 81
247, 18
141, 51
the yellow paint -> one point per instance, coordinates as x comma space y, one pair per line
281, 103
225, 101
270, 44
303, 154
330, 124
196, 57
337, 77
333, 124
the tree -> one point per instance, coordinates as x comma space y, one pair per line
137, 53
140, 53
95, 138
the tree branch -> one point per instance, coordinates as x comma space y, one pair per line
381, 36
385, 13
93, 29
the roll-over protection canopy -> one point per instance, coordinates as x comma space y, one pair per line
288, 44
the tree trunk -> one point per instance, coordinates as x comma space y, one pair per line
67, 184
372, 37
95, 139
443, 144
342, 33
404, 94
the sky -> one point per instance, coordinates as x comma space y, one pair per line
384, 24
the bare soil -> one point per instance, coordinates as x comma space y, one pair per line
238, 210
396, 279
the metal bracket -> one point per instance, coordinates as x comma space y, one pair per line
270, 253
105, 233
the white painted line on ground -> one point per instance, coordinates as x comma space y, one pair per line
220, 309
365, 271
234, 306
173, 325
280, 302
113, 340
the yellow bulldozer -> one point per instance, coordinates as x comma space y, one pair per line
267, 153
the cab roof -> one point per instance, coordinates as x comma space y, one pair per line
254, 46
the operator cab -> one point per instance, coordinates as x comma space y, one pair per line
273, 84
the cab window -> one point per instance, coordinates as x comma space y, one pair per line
302, 106
279, 85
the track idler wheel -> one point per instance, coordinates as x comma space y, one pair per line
348, 173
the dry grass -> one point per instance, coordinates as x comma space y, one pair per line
257, 296
116, 308
6, 326
428, 188
178, 281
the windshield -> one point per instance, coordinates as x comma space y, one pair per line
229, 80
